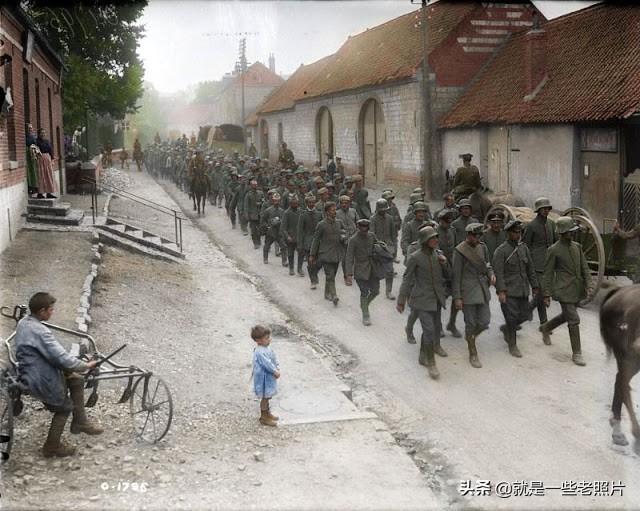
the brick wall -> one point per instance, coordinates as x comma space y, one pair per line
12, 128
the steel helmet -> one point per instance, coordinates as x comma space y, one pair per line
420, 206
541, 202
566, 224
426, 233
382, 205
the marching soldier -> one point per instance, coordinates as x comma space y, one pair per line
233, 196
384, 229
467, 179
464, 218
472, 276
411, 228
270, 225
358, 261
567, 279
252, 203
423, 287
515, 277
348, 216
309, 220
289, 233
242, 191
361, 198
326, 249
286, 158
449, 204
539, 235
393, 210
495, 235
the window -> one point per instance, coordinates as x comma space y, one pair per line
26, 95
38, 120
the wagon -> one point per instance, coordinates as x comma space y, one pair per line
149, 397
604, 252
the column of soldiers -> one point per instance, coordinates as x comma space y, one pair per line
451, 258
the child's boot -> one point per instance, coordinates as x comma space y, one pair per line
266, 420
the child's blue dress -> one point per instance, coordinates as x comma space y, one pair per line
265, 364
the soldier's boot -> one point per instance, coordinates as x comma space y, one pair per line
265, 253
285, 261
80, 423
473, 352
574, 336
53, 446
411, 320
511, 341
327, 291
364, 307
388, 283
438, 349
434, 374
422, 356
371, 297
547, 328
451, 326
334, 294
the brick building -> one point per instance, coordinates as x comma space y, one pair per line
557, 113
31, 71
365, 102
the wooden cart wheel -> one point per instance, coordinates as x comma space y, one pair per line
6, 425
575, 210
505, 210
593, 247
151, 408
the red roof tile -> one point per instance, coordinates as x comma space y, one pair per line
258, 75
295, 88
593, 69
388, 52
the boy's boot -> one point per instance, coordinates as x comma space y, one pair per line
451, 326
473, 352
53, 446
574, 335
271, 416
388, 282
265, 420
364, 307
80, 423
434, 374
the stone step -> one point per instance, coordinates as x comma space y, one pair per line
42, 202
143, 237
74, 217
110, 238
58, 209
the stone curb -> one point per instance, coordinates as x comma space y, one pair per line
83, 319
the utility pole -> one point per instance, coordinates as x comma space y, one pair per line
241, 66
426, 100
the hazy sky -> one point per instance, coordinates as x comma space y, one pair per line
188, 41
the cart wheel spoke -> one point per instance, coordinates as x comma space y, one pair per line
157, 404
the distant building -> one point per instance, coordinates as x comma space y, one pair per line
365, 102
30, 71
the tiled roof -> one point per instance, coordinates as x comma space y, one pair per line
251, 120
593, 69
295, 88
259, 75
388, 52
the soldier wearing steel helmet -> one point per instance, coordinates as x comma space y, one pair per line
411, 228
309, 219
270, 225
472, 276
539, 235
464, 218
423, 287
359, 264
289, 233
383, 227
515, 278
567, 279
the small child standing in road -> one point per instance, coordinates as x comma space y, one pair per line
265, 373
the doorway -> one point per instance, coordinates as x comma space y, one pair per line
324, 130
373, 138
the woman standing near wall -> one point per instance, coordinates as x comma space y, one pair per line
46, 183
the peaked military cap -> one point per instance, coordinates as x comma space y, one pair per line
515, 225
464, 203
475, 228
363, 222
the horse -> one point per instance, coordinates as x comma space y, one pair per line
200, 187
620, 330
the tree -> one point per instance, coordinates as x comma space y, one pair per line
98, 42
207, 91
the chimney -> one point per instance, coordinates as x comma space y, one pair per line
535, 61
272, 63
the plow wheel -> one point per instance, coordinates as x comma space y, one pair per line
151, 408
592, 246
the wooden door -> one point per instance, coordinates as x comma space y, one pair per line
325, 132
369, 141
498, 159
